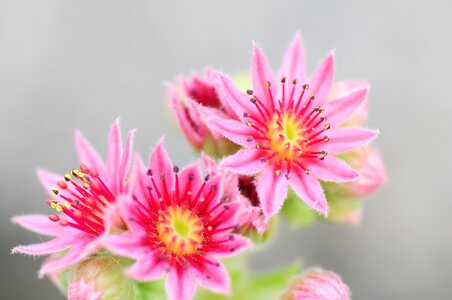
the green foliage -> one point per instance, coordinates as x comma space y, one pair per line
297, 213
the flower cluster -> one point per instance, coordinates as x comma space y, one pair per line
122, 227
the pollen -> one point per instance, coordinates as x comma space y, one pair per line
180, 230
285, 132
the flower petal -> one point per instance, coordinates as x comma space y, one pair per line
131, 213
148, 267
321, 81
214, 277
126, 244
228, 92
293, 66
57, 244
72, 256
308, 188
272, 189
245, 161
179, 110
235, 131
332, 169
180, 284
161, 167
235, 244
87, 154
40, 224
341, 109
190, 179
114, 154
198, 112
126, 160
261, 73
347, 139
48, 179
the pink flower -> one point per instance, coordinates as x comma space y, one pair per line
183, 99
288, 131
178, 224
243, 189
317, 284
368, 162
83, 201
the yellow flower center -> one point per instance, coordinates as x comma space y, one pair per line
180, 230
285, 132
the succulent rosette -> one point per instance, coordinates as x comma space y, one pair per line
84, 203
178, 225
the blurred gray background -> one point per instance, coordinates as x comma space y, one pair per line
80, 64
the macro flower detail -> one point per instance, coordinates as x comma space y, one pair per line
84, 203
288, 132
184, 94
177, 224
317, 284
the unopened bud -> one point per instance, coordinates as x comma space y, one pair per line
100, 278
316, 284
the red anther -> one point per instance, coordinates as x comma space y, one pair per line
93, 172
95, 185
84, 169
54, 218
63, 223
62, 184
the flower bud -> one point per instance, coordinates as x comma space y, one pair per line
368, 162
316, 284
185, 97
100, 278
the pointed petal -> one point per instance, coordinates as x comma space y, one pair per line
235, 131
347, 139
228, 92
308, 188
341, 109
72, 256
131, 213
54, 245
162, 169
190, 179
40, 224
332, 169
148, 267
345, 87
293, 65
235, 244
272, 189
179, 110
126, 159
245, 161
180, 284
114, 154
201, 112
126, 244
214, 277
260, 73
321, 81
87, 154
48, 179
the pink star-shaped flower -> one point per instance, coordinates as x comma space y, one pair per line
288, 131
84, 201
178, 223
